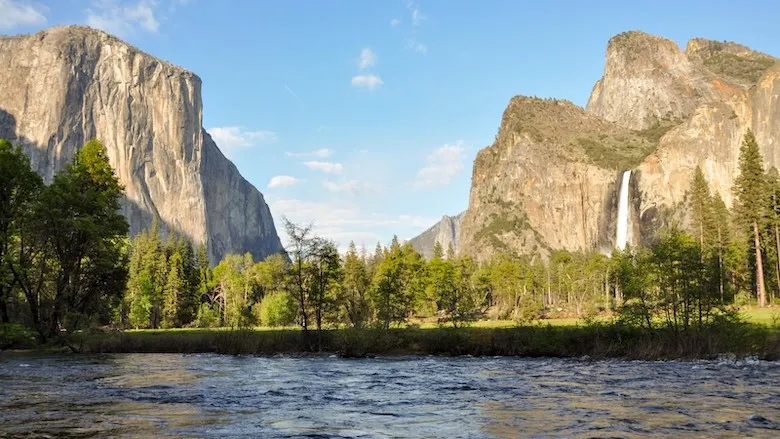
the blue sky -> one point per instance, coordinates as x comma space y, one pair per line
365, 116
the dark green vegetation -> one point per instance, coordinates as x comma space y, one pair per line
62, 246
67, 266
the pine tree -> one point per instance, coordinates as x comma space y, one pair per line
438, 250
355, 288
773, 223
750, 194
701, 209
173, 291
722, 225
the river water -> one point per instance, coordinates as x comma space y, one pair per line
167, 395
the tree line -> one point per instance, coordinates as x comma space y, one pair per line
66, 262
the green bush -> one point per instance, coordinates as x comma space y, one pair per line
13, 335
208, 317
744, 298
276, 309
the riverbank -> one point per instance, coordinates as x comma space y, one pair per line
595, 341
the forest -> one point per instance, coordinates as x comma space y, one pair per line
66, 262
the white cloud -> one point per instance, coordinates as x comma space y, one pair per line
122, 20
395, 22
367, 58
369, 82
326, 167
283, 181
230, 139
342, 221
352, 187
416, 15
444, 163
416, 46
16, 13
321, 153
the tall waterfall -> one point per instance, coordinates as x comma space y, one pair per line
622, 219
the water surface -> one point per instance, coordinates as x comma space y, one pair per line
167, 395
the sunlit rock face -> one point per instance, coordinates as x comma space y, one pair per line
66, 85
552, 177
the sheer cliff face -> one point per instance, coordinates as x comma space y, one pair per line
64, 86
550, 180
446, 232
647, 78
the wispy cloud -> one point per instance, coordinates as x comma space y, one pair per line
352, 187
321, 153
232, 138
395, 22
344, 220
444, 163
416, 15
283, 181
122, 20
326, 167
368, 82
416, 46
367, 58
16, 13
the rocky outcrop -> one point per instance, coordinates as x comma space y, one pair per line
64, 86
551, 178
549, 181
446, 233
649, 80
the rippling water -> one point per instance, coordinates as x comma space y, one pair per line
161, 395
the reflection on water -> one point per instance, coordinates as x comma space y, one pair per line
161, 395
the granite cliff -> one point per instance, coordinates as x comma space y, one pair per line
551, 178
66, 85
446, 232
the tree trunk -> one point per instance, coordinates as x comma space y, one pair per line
3, 310
777, 246
720, 266
760, 290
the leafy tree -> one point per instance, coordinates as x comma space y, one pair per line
85, 230
277, 308
750, 193
19, 190
300, 249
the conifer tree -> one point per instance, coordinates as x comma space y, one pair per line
174, 291
355, 288
701, 209
750, 194
721, 224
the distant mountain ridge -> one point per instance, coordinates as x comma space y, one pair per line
446, 232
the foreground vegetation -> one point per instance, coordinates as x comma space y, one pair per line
67, 264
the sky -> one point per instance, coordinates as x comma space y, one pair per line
364, 117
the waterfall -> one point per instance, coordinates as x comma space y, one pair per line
622, 219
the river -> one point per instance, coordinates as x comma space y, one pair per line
168, 395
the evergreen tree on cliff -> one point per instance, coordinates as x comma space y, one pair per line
750, 207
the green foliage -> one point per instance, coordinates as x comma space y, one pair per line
277, 309
746, 68
207, 316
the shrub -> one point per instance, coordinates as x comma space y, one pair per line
208, 317
276, 309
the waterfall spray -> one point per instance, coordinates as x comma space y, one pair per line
622, 219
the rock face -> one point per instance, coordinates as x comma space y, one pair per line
446, 232
649, 79
64, 86
551, 178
